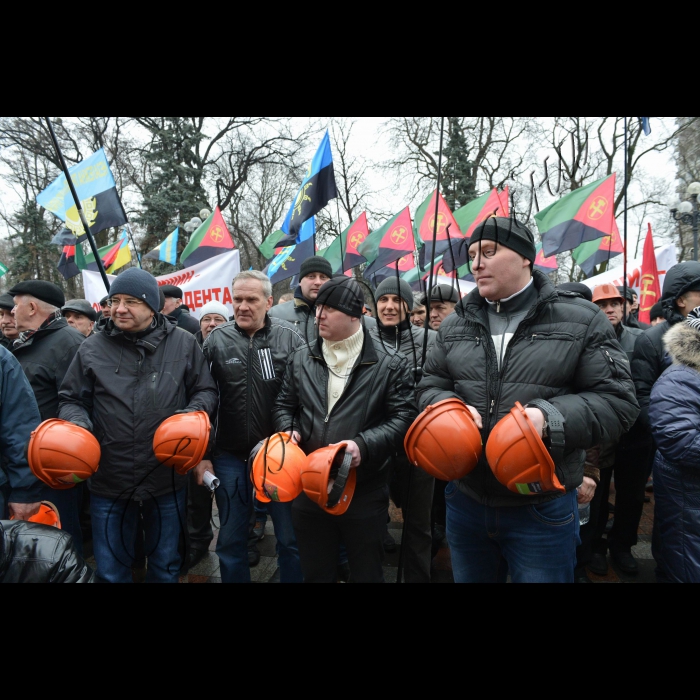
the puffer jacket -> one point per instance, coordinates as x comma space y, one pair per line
564, 351
375, 411
45, 359
650, 357
249, 373
19, 417
408, 340
32, 553
675, 420
125, 387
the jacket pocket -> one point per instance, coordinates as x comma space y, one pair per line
539, 337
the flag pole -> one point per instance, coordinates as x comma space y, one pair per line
340, 229
76, 199
136, 250
624, 301
435, 231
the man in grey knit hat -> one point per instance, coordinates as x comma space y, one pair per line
411, 488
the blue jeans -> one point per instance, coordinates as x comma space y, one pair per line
114, 534
535, 544
235, 501
68, 504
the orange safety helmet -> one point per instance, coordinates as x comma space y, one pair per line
445, 441
63, 455
518, 457
606, 292
277, 470
182, 441
48, 515
329, 481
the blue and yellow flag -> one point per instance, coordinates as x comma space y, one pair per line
97, 191
287, 263
314, 194
167, 250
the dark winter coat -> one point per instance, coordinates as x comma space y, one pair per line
302, 315
375, 411
650, 357
185, 320
249, 373
6, 342
19, 417
675, 420
125, 387
564, 351
45, 359
32, 553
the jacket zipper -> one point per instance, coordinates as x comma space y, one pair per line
248, 390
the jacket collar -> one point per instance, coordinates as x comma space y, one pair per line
264, 330
475, 307
368, 356
149, 339
49, 326
300, 300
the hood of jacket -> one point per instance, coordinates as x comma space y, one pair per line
678, 280
683, 345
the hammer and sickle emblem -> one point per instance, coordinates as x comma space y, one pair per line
647, 283
598, 209
399, 235
217, 235
356, 239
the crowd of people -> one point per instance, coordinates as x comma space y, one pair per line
610, 399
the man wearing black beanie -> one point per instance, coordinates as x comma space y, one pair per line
515, 339
301, 312
345, 388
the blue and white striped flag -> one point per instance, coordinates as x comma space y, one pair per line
646, 125
167, 250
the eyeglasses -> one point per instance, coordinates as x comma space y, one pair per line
129, 303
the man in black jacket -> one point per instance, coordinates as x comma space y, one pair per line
20, 491
515, 339
174, 309
248, 359
32, 553
122, 385
346, 389
394, 299
301, 312
45, 348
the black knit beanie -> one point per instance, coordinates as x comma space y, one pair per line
508, 233
138, 284
316, 264
344, 295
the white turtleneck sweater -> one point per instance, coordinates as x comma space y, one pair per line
341, 358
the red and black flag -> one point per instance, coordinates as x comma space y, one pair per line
388, 244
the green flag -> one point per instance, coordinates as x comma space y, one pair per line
3, 270
269, 245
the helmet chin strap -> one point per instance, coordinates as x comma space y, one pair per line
341, 481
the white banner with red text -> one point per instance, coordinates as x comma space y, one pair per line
211, 280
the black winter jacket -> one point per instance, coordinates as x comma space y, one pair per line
675, 421
45, 359
185, 320
249, 373
6, 342
19, 417
126, 387
565, 352
32, 553
408, 340
375, 411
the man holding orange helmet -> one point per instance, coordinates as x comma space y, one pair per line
123, 384
516, 340
346, 389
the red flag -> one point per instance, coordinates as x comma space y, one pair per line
651, 287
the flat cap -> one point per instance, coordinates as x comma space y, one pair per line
47, 292
7, 302
80, 306
172, 292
